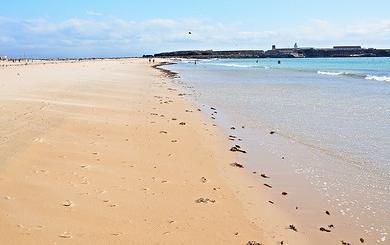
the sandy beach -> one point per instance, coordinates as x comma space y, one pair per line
194, 122
110, 152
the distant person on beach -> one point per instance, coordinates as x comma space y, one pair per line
153, 60
279, 62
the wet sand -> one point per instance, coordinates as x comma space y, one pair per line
110, 152
276, 164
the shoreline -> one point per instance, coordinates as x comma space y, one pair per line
110, 152
167, 72
310, 216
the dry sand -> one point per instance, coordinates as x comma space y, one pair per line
95, 152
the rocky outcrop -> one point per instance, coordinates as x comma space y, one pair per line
278, 53
210, 54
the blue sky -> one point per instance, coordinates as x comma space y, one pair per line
43, 28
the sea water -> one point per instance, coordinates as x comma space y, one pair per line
339, 107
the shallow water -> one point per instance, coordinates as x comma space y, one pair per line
336, 110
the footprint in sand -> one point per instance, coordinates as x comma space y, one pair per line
85, 181
67, 203
38, 140
66, 235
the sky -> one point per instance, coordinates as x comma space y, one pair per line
106, 28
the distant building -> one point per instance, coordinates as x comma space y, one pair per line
347, 47
284, 52
3, 57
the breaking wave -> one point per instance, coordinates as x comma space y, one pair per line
378, 78
331, 73
356, 75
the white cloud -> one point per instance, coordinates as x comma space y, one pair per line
114, 36
93, 13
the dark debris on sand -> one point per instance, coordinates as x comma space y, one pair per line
253, 243
237, 165
325, 230
237, 148
345, 243
264, 176
204, 200
292, 227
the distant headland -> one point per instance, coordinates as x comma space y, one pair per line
296, 52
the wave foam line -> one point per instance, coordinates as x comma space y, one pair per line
330, 73
378, 78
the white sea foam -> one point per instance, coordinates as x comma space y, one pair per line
378, 78
328, 73
232, 65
